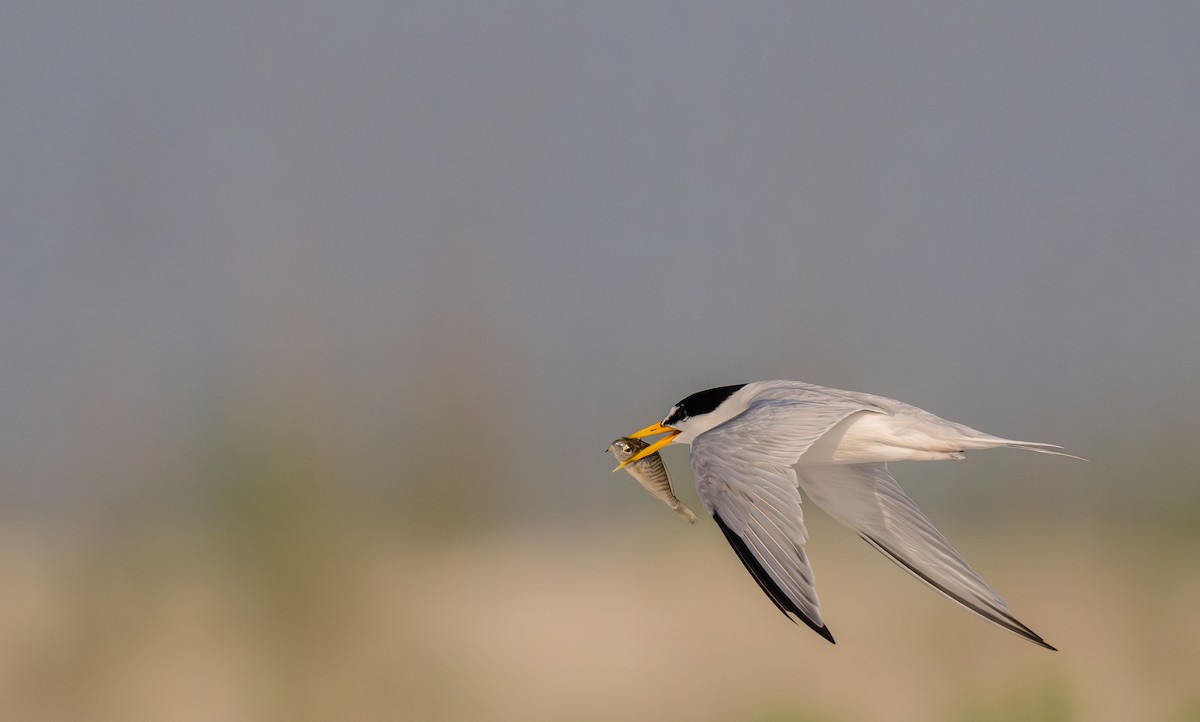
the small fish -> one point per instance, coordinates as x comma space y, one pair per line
651, 473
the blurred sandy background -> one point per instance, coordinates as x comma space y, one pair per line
316, 317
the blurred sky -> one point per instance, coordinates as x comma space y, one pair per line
501, 234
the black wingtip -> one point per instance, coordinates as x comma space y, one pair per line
1036, 639
777, 596
824, 632
1003, 620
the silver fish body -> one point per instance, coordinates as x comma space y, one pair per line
651, 473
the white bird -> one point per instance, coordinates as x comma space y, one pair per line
755, 446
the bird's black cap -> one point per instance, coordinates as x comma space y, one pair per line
701, 402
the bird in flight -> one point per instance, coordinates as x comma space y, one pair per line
755, 446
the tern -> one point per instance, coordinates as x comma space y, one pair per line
755, 446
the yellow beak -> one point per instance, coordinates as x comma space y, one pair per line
651, 430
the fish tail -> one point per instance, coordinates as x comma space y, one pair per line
684, 512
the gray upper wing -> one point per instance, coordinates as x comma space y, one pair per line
868, 499
745, 480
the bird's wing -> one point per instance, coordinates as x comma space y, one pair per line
867, 498
745, 480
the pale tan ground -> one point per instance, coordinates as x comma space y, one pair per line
600, 623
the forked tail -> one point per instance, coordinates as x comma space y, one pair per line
991, 442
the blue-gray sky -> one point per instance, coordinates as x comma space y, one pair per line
385, 216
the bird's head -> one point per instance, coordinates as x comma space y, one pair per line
686, 420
